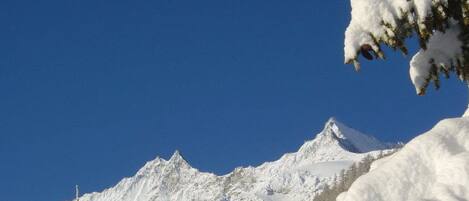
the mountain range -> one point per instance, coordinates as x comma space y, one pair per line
297, 176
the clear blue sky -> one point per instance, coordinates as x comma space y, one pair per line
90, 90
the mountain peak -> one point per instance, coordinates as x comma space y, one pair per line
336, 129
176, 156
349, 138
331, 120
178, 159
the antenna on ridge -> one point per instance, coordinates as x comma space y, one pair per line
77, 193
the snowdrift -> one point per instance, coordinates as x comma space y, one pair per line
433, 166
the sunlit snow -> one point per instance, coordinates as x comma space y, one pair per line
433, 166
294, 177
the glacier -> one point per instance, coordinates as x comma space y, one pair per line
295, 176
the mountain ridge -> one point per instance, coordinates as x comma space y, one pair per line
294, 176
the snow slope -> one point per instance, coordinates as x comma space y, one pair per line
294, 177
433, 166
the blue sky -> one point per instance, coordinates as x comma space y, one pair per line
93, 89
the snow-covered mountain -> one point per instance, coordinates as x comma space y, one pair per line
432, 166
294, 177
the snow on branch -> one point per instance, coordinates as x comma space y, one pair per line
441, 26
385, 21
443, 54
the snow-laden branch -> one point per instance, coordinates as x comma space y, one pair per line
444, 51
441, 26
387, 21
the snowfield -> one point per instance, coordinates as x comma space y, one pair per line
433, 166
295, 176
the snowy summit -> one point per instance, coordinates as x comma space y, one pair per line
294, 177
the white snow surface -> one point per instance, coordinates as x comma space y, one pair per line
433, 166
295, 176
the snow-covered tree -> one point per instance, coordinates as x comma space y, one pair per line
441, 26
